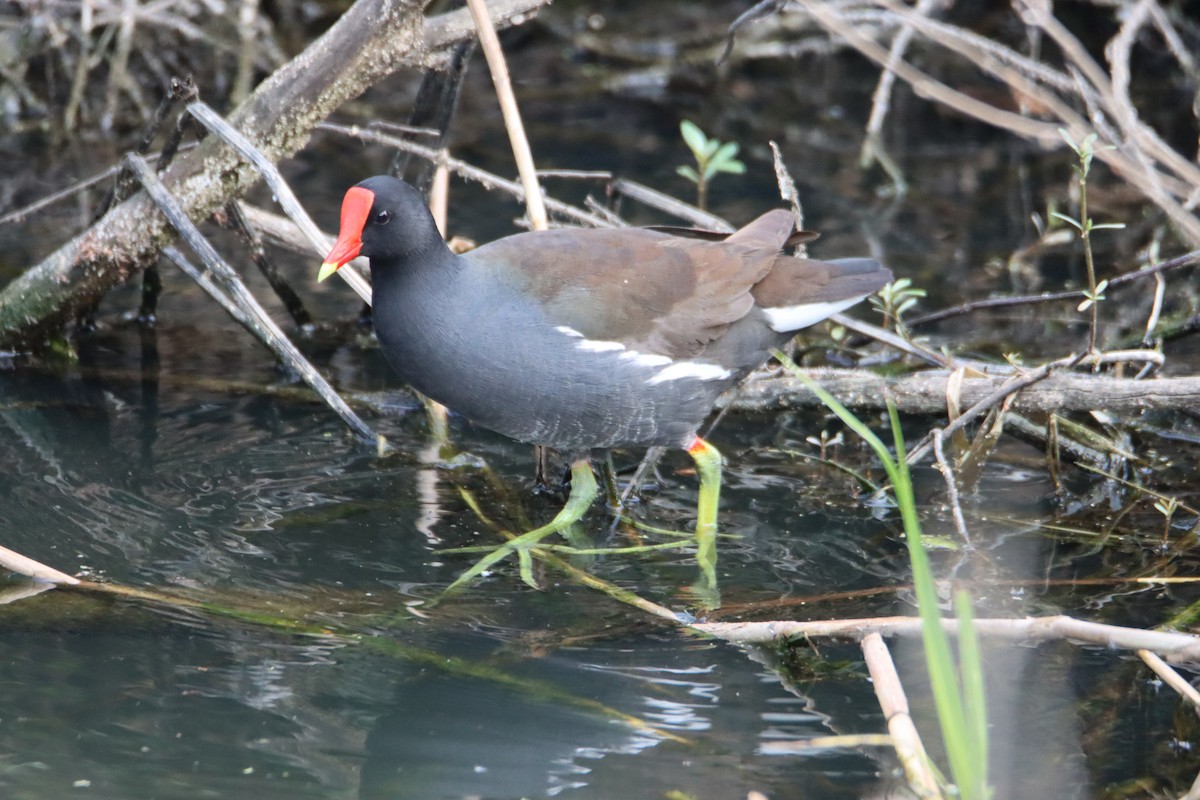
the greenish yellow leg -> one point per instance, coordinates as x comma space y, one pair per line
708, 465
583, 492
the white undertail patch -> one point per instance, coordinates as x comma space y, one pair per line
785, 319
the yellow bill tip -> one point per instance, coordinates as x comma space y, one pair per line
327, 269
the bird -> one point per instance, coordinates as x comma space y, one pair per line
586, 339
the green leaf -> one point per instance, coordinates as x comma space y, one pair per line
688, 173
710, 149
693, 137
733, 167
1066, 135
1111, 225
726, 152
1069, 220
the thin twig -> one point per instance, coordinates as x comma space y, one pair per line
893, 340
279, 187
663, 202
20, 214
872, 149
1177, 647
251, 313
24, 565
789, 194
512, 115
893, 702
1185, 260
951, 486
1172, 678
465, 170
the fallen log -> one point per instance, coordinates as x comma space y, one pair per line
371, 40
925, 392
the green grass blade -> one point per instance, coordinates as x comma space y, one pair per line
939, 659
970, 666
961, 710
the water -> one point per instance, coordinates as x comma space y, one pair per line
263, 506
180, 462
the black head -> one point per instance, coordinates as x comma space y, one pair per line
384, 219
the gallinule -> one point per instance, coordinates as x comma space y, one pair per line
584, 339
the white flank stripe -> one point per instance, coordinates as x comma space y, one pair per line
645, 359
786, 319
592, 346
690, 369
671, 370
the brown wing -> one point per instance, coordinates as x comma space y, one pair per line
650, 291
799, 281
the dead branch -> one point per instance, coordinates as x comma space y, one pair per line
371, 40
229, 290
925, 392
1186, 260
1137, 153
893, 702
1176, 647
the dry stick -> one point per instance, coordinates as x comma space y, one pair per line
872, 149
924, 85
82, 66
1174, 42
369, 41
1160, 289
951, 486
512, 115
894, 704
889, 338
180, 92
1009, 387
1136, 132
23, 565
1118, 51
789, 194
117, 73
1177, 647
1172, 678
1185, 260
247, 18
236, 219
1042, 132
283, 193
664, 202
461, 168
253, 316
20, 214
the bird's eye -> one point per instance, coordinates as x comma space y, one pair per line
383, 217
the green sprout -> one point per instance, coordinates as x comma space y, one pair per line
712, 158
1167, 506
1085, 151
893, 300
